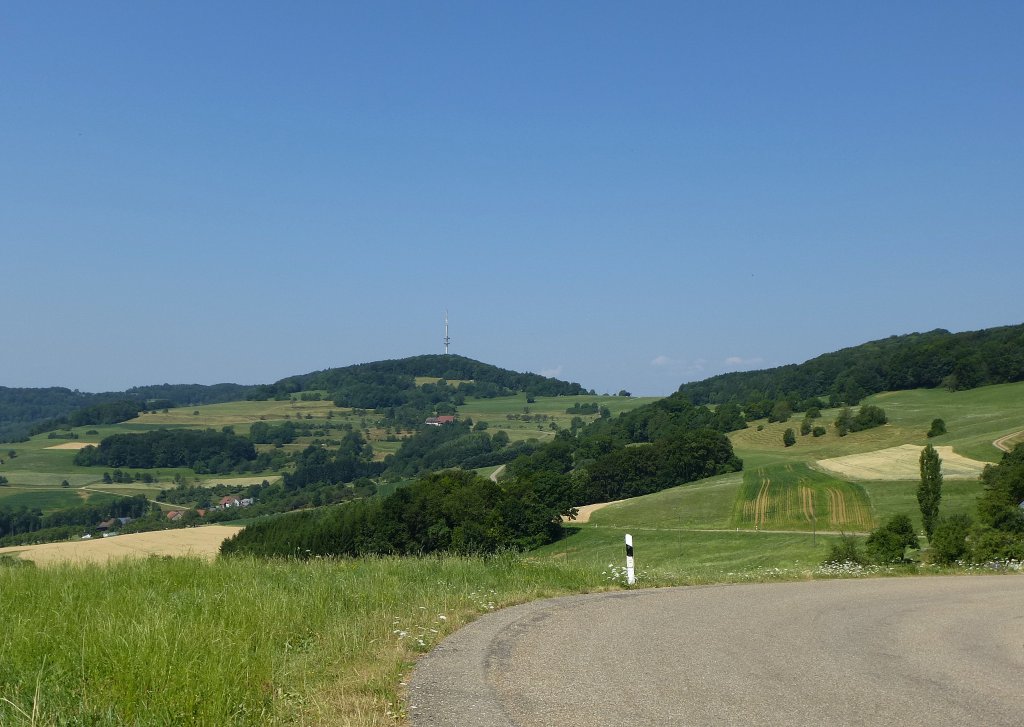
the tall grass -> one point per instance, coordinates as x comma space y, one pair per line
241, 641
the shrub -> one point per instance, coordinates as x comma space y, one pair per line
846, 550
938, 428
789, 438
949, 540
888, 542
989, 544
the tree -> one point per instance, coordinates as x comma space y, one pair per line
781, 412
789, 438
500, 439
938, 428
929, 492
844, 421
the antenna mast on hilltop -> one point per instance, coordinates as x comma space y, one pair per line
447, 340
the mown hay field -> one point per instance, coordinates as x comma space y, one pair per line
201, 542
900, 463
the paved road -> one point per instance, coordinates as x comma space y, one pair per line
901, 651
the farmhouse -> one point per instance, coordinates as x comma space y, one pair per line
440, 420
235, 501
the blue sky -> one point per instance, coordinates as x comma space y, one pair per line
627, 195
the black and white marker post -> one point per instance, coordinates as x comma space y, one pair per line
630, 573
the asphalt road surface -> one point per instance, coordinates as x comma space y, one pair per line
898, 651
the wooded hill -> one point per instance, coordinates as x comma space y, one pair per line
28, 411
389, 386
387, 383
391, 389
956, 361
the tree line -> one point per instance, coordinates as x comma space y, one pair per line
69, 520
25, 412
935, 359
204, 451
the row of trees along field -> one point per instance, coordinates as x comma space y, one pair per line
67, 521
918, 360
205, 451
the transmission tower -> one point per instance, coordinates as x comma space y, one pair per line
447, 339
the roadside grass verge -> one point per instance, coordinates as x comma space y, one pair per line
666, 557
241, 641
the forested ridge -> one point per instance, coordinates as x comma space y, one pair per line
28, 411
918, 360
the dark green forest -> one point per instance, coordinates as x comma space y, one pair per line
205, 451
938, 358
452, 511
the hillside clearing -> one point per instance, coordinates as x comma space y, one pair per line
899, 463
201, 542
74, 445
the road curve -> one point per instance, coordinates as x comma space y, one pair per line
910, 651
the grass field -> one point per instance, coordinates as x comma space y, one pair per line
974, 419
242, 642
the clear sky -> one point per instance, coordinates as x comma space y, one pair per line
627, 195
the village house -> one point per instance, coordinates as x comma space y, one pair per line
440, 420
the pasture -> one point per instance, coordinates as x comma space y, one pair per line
974, 419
